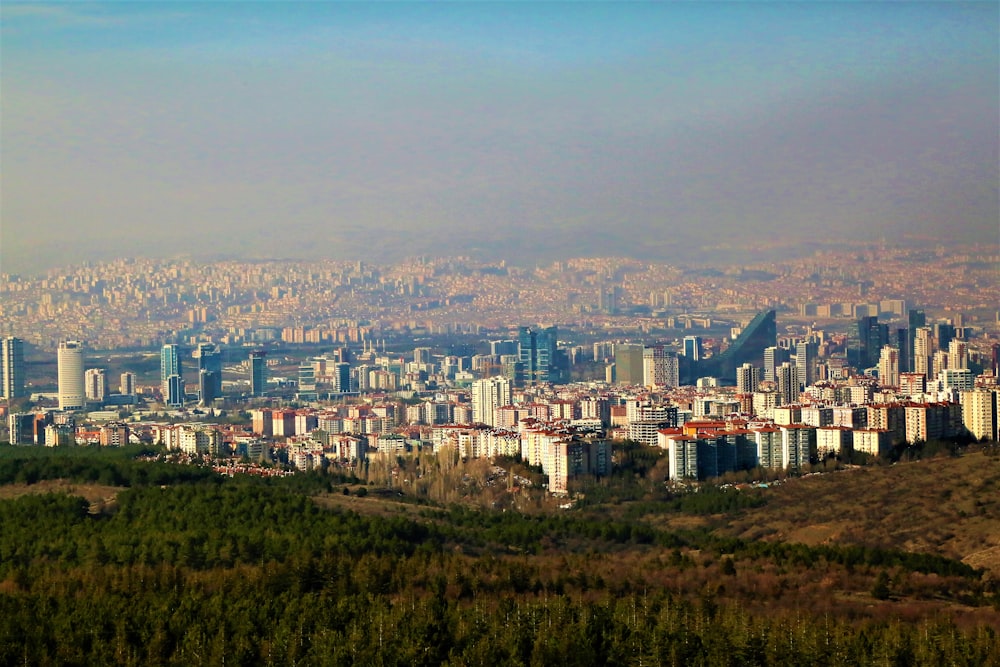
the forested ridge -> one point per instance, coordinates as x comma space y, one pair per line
207, 570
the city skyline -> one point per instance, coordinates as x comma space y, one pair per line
507, 131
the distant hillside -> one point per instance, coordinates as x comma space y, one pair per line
945, 506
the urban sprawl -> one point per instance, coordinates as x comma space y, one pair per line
273, 366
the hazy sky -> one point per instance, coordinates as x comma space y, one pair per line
375, 131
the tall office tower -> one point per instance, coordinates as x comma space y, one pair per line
11, 367
95, 383
170, 365
693, 349
923, 348
487, 395
210, 360
206, 387
126, 385
421, 355
258, 373
608, 299
788, 383
915, 320
175, 391
307, 377
537, 351
865, 339
939, 362
944, 332
900, 339
501, 347
888, 367
659, 367
958, 354
628, 363
342, 377
805, 361
747, 378
774, 356
70, 363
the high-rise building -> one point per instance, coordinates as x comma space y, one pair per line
958, 354
915, 320
787, 378
774, 356
923, 349
258, 373
489, 394
805, 361
659, 367
628, 363
171, 380
693, 349
95, 383
71, 385
537, 351
759, 334
11, 367
342, 377
126, 384
888, 367
170, 364
209, 360
747, 378
865, 339
944, 333
979, 413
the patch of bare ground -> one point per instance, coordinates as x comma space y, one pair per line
944, 506
101, 497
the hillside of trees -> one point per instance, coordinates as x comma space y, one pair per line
189, 568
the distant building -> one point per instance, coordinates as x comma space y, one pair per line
72, 394
258, 373
11, 367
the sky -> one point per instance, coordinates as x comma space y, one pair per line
515, 131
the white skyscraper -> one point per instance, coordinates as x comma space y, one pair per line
127, 384
923, 348
487, 395
888, 367
71, 386
747, 378
958, 354
788, 383
95, 384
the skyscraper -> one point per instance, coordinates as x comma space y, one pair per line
788, 383
659, 367
865, 339
747, 378
537, 351
258, 373
70, 364
915, 320
170, 367
489, 394
888, 367
127, 384
95, 384
210, 360
11, 367
628, 363
693, 348
774, 356
805, 362
923, 348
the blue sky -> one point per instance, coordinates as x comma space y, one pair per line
519, 130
